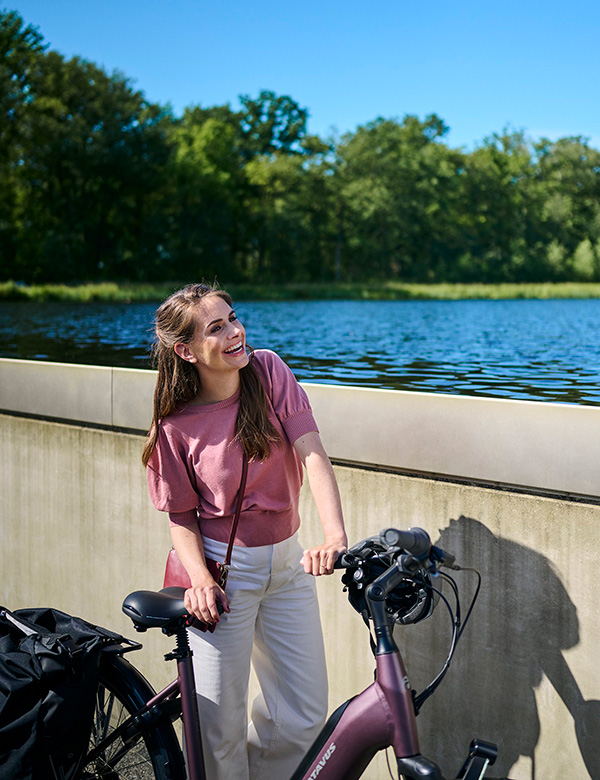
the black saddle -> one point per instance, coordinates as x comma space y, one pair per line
156, 609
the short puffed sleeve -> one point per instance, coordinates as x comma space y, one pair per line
168, 472
289, 400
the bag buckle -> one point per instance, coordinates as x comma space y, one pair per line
223, 574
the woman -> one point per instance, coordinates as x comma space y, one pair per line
213, 402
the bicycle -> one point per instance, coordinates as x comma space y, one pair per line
390, 580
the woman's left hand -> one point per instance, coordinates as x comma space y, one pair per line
319, 560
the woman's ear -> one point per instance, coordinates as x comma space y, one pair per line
184, 352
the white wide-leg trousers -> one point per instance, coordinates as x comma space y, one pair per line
273, 624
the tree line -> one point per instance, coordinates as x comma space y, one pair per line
98, 183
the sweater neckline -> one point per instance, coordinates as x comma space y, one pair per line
205, 408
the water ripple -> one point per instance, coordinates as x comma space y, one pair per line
538, 350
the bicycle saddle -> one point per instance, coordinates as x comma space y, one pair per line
152, 609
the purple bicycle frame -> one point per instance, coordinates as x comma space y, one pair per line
191, 721
380, 716
383, 715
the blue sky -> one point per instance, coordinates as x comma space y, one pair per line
480, 66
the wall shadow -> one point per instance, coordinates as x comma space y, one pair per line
522, 622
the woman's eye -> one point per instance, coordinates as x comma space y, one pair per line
216, 329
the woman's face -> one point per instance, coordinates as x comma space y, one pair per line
219, 343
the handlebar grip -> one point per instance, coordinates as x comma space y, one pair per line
344, 561
415, 541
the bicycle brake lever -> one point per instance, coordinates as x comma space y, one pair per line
440, 557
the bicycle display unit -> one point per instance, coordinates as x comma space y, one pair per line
392, 578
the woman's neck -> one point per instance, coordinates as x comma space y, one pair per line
216, 389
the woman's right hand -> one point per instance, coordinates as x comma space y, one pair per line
202, 598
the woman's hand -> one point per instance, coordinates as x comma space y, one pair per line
202, 598
319, 560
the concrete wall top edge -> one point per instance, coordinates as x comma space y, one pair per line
550, 446
465, 399
19, 361
59, 390
325, 387
142, 371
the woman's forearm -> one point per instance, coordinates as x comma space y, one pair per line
326, 495
323, 485
187, 541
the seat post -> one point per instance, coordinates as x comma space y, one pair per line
189, 705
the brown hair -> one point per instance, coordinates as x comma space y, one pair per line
178, 381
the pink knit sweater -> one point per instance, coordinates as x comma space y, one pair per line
195, 469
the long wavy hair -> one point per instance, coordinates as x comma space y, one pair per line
178, 380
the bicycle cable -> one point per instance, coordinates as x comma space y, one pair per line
456, 632
420, 698
387, 761
474, 599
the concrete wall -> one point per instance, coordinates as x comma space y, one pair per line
527, 444
78, 532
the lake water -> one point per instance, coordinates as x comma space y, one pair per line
538, 350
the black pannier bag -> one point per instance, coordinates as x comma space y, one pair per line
49, 664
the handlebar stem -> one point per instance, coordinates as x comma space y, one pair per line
376, 595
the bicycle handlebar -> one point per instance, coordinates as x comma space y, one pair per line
415, 541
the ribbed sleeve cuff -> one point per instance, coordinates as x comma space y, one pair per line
299, 424
183, 518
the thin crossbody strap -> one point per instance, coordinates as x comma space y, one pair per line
238, 509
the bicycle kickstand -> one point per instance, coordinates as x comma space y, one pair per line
481, 755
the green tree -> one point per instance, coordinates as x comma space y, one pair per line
207, 204
228, 218
585, 264
501, 212
291, 212
91, 169
20, 50
271, 123
396, 186
556, 260
96, 182
568, 180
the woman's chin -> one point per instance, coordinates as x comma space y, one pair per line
238, 361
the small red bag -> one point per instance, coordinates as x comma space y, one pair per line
177, 576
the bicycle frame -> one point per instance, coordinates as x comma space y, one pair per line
380, 716
383, 715
189, 707
181, 691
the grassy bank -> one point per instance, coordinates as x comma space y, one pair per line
387, 291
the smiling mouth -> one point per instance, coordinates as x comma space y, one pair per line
236, 349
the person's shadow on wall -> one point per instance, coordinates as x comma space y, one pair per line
522, 622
